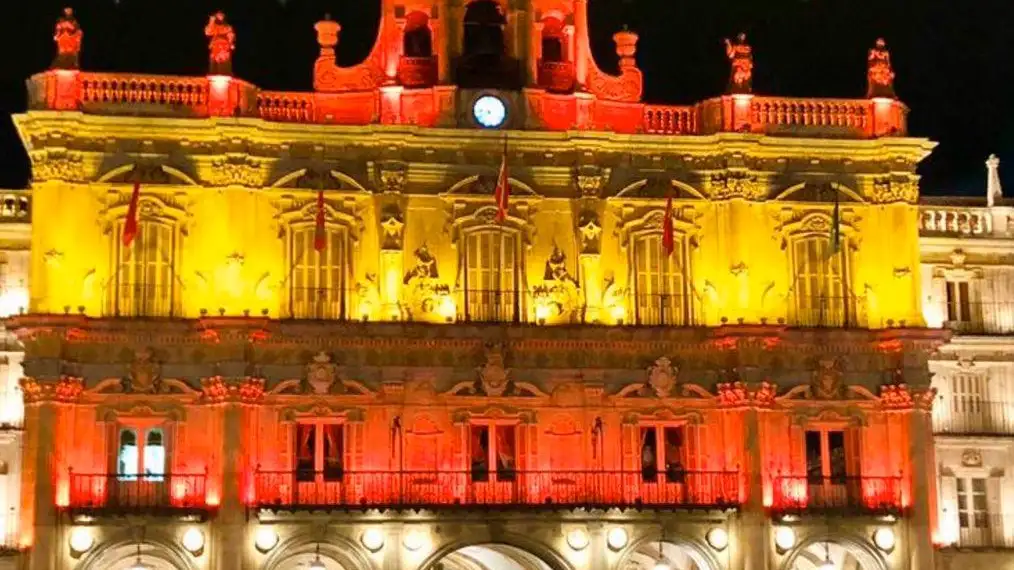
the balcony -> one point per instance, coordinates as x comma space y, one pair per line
490, 305
317, 303
556, 76
10, 540
979, 318
415, 72
529, 489
979, 530
662, 309
119, 494
824, 311
970, 416
141, 300
852, 495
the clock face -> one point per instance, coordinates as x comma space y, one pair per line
489, 111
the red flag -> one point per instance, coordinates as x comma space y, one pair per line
503, 191
130, 224
319, 237
668, 240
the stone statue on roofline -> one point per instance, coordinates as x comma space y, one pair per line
994, 192
68, 37
879, 74
221, 43
740, 56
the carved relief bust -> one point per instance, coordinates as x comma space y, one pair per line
971, 458
827, 382
493, 374
662, 377
321, 374
143, 375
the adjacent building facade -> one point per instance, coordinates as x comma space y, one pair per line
472, 304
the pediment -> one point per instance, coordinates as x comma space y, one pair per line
485, 185
316, 179
659, 188
146, 173
822, 193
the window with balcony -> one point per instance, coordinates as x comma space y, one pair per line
491, 275
973, 505
663, 451
821, 296
660, 282
141, 455
320, 452
493, 452
959, 306
144, 273
318, 277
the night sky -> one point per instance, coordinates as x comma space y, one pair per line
952, 57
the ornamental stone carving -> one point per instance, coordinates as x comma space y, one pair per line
735, 183
493, 374
65, 167
393, 227
67, 390
879, 72
590, 231
427, 298
827, 383
591, 180
559, 293
888, 190
391, 177
662, 377
242, 172
68, 36
321, 374
971, 458
144, 374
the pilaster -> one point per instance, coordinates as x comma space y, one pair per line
922, 463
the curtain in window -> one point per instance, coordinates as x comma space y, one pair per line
306, 443
127, 459
154, 456
334, 451
480, 453
506, 458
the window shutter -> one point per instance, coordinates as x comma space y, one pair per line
949, 508
853, 452
797, 452
994, 510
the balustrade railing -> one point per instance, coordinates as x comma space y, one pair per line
429, 489
965, 415
178, 92
955, 221
662, 309
286, 107
670, 119
118, 492
848, 114
850, 494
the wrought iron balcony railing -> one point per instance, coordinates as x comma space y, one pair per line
121, 493
318, 303
964, 415
980, 530
449, 489
661, 309
142, 300
827, 311
847, 494
979, 318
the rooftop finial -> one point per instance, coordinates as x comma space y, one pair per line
68, 37
993, 190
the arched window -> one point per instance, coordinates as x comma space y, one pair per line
133, 461
553, 46
144, 273
417, 41
660, 281
483, 29
491, 275
820, 292
317, 278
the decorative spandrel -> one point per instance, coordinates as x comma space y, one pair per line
221, 43
68, 38
879, 73
740, 56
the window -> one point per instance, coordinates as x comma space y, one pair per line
417, 41
144, 273
320, 452
959, 306
317, 279
553, 41
483, 29
660, 282
133, 461
972, 504
820, 284
491, 275
500, 451
968, 395
671, 461
826, 456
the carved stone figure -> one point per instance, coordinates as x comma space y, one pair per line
493, 374
662, 377
143, 375
827, 381
321, 374
556, 267
68, 38
591, 231
740, 56
425, 266
221, 43
879, 74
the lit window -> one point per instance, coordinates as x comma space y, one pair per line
132, 463
500, 452
959, 303
127, 458
144, 273
663, 451
317, 280
154, 456
821, 296
973, 511
660, 282
491, 275
320, 452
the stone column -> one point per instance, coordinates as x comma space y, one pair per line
922, 471
230, 524
37, 488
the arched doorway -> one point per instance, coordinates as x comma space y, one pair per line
834, 554
332, 552
494, 556
676, 555
125, 556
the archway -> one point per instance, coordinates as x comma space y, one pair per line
495, 556
834, 554
676, 555
484, 25
333, 552
125, 556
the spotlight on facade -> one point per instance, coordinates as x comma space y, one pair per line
718, 538
661, 565
413, 540
617, 538
81, 540
885, 539
785, 538
577, 539
317, 564
372, 539
266, 538
193, 541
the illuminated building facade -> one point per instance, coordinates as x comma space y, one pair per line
295, 330
967, 279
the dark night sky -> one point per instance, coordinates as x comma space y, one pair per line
952, 57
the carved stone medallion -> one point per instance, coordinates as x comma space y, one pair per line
662, 377
827, 381
321, 374
493, 374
